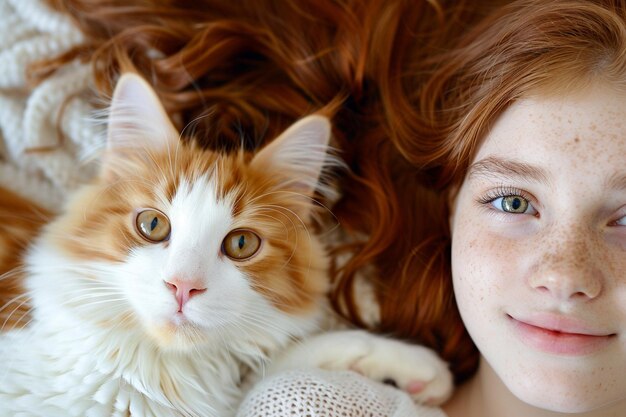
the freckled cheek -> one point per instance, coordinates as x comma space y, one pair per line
483, 264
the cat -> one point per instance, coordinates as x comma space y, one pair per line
180, 272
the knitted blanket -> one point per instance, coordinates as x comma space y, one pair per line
47, 132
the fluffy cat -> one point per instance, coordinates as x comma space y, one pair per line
180, 272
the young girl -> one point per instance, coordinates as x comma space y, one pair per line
527, 141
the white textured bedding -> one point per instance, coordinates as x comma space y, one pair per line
28, 116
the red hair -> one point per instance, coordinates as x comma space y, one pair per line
227, 71
526, 47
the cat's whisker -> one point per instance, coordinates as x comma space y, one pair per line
106, 190
125, 321
219, 332
92, 288
123, 235
292, 212
18, 324
258, 323
295, 245
20, 242
91, 301
80, 294
261, 324
243, 327
194, 122
312, 200
20, 270
308, 234
84, 295
273, 219
70, 267
290, 192
302, 293
15, 309
25, 325
13, 300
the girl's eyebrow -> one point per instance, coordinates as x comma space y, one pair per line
493, 166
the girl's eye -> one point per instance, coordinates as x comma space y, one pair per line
621, 222
240, 244
513, 204
153, 225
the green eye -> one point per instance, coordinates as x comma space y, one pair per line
241, 244
153, 225
514, 204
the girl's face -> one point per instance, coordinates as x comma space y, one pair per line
539, 250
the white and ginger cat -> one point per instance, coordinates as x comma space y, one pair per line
178, 272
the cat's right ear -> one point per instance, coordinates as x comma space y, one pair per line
137, 125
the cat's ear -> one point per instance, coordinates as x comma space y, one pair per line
299, 154
137, 124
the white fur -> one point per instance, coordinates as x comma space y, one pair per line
68, 364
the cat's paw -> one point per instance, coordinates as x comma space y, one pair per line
411, 368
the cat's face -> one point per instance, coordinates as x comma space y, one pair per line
189, 245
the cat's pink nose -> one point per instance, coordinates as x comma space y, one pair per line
183, 290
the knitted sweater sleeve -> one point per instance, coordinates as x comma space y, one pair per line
46, 131
329, 394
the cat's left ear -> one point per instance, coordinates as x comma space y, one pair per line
299, 154
137, 125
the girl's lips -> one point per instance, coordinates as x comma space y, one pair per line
559, 335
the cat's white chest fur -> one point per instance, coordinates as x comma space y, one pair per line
65, 365
74, 369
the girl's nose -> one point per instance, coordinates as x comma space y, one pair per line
569, 270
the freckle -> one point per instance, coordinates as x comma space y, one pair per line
576, 139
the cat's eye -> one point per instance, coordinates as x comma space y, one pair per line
153, 225
241, 244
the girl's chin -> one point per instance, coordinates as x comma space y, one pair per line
569, 398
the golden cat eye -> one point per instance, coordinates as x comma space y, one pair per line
241, 244
153, 225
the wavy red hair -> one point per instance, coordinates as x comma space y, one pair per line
238, 73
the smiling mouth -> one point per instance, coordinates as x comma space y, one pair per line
559, 341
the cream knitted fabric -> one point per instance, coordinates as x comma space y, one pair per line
317, 393
29, 116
